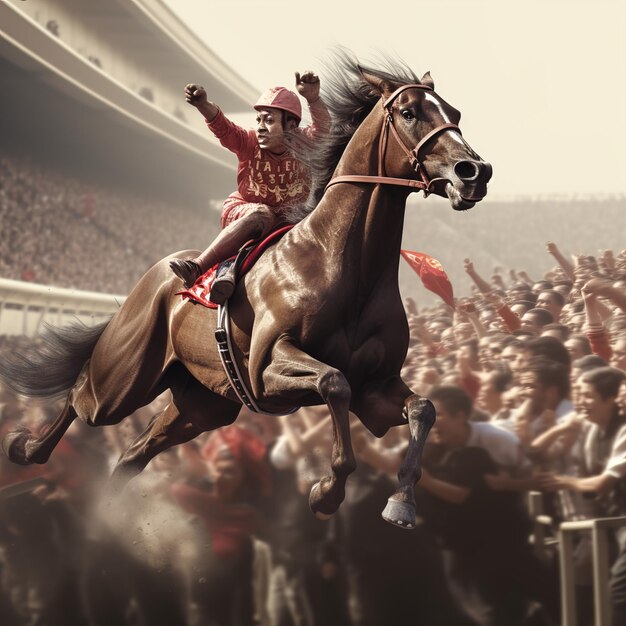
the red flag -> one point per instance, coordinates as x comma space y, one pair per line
432, 274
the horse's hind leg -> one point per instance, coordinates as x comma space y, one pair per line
393, 405
97, 401
22, 447
293, 374
194, 409
167, 429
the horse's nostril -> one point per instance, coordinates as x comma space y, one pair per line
467, 170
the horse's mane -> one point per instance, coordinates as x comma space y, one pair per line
349, 99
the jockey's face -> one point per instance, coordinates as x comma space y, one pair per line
269, 130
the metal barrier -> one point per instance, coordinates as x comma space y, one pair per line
25, 306
599, 529
542, 535
544, 543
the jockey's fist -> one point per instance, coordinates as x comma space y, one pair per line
308, 86
195, 95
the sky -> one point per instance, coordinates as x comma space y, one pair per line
540, 83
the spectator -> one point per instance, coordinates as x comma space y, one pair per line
578, 346
384, 582
228, 507
603, 473
306, 577
548, 348
451, 495
618, 353
546, 387
552, 301
490, 395
534, 320
558, 331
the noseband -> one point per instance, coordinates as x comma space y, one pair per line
413, 155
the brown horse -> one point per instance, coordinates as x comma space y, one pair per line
318, 319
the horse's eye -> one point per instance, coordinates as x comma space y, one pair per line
408, 115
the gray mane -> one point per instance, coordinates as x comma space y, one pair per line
349, 98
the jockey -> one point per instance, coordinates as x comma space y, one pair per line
269, 179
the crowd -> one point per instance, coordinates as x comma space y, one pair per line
527, 377
59, 230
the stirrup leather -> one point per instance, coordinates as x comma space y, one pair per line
224, 349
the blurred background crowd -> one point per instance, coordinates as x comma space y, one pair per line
527, 376
61, 230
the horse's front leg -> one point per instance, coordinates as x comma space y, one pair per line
293, 374
400, 509
392, 405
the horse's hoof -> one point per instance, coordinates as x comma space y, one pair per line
316, 498
14, 446
322, 516
400, 514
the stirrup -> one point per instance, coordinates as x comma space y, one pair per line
224, 284
187, 270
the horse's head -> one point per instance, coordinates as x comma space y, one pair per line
421, 136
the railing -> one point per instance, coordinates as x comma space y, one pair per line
565, 540
25, 306
599, 529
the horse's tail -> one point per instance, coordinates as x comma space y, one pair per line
51, 365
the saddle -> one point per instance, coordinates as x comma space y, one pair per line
247, 256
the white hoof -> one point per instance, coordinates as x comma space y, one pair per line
323, 516
400, 514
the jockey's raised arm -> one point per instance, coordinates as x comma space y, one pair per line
269, 178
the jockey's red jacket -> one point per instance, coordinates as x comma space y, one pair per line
263, 177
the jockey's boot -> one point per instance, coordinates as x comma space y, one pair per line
225, 245
224, 283
187, 270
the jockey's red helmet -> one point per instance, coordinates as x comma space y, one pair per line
280, 98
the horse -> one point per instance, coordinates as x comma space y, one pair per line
317, 320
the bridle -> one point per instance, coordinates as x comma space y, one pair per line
424, 183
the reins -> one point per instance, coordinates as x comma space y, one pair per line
422, 184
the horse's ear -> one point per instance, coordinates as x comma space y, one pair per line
382, 86
427, 80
